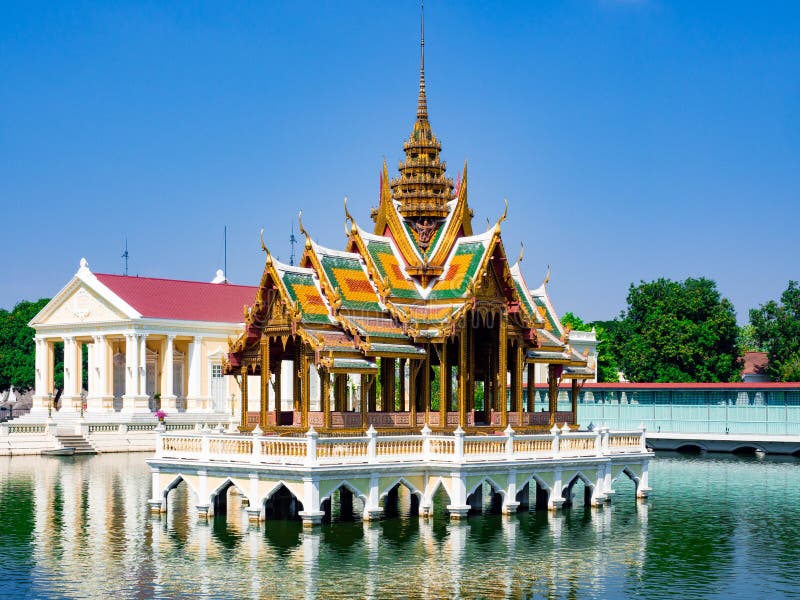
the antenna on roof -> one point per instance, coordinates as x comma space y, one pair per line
225, 252
125, 255
292, 242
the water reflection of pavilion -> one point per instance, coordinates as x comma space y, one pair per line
90, 512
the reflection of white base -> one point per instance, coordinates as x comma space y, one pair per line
373, 514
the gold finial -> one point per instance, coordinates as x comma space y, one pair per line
502, 217
303, 229
521, 252
347, 215
547, 276
422, 102
263, 245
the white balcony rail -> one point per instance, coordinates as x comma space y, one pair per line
311, 450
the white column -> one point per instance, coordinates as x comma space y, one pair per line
193, 400
131, 372
167, 377
142, 344
43, 377
71, 398
141, 403
99, 400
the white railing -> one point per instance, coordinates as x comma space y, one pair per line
311, 450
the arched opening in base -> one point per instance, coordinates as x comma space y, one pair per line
400, 501
533, 496
342, 505
282, 505
573, 492
485, 499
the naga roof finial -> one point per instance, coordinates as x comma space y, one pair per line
303, 229
521, 252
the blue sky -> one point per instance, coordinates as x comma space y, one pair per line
634, 139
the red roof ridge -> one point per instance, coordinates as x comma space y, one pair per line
228, 285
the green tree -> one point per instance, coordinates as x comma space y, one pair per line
17, 348
572, 321
608, 350
680, 331
747, 339
777, 329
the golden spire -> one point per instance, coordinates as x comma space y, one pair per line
422, 190
422, 102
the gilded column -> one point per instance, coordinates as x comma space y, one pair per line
278, 392
552, 392
413, 371
243, 418
444, 384
519, 365
426, 384
463, 375
325, 392
304, 395
575, 392
264, 382
365, 387
298, 375
502, 371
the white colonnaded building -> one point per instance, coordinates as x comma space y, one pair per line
150, 344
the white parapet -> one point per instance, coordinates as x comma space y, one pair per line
312, 467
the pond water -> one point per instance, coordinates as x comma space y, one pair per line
717, 526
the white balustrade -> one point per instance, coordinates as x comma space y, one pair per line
312, 450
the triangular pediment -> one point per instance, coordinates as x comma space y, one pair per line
78, 303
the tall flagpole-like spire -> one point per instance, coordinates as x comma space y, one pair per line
422, 103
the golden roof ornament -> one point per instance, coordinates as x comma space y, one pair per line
422, 190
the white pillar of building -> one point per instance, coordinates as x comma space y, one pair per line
194, 402
43, 377
99, 400
167, 377
141, 403
71, 396
131, 372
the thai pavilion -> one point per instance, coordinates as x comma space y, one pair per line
412, 357
420, 320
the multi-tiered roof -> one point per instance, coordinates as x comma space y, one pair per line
407, 282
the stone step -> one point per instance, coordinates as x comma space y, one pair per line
78, 442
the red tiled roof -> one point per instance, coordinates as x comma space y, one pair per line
755, 363
181, 300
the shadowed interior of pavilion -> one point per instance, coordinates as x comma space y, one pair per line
420, 321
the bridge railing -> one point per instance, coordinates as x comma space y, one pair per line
311, 450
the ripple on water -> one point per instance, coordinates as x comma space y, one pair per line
717, 526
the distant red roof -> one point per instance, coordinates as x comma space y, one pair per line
181, 300
755, 363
